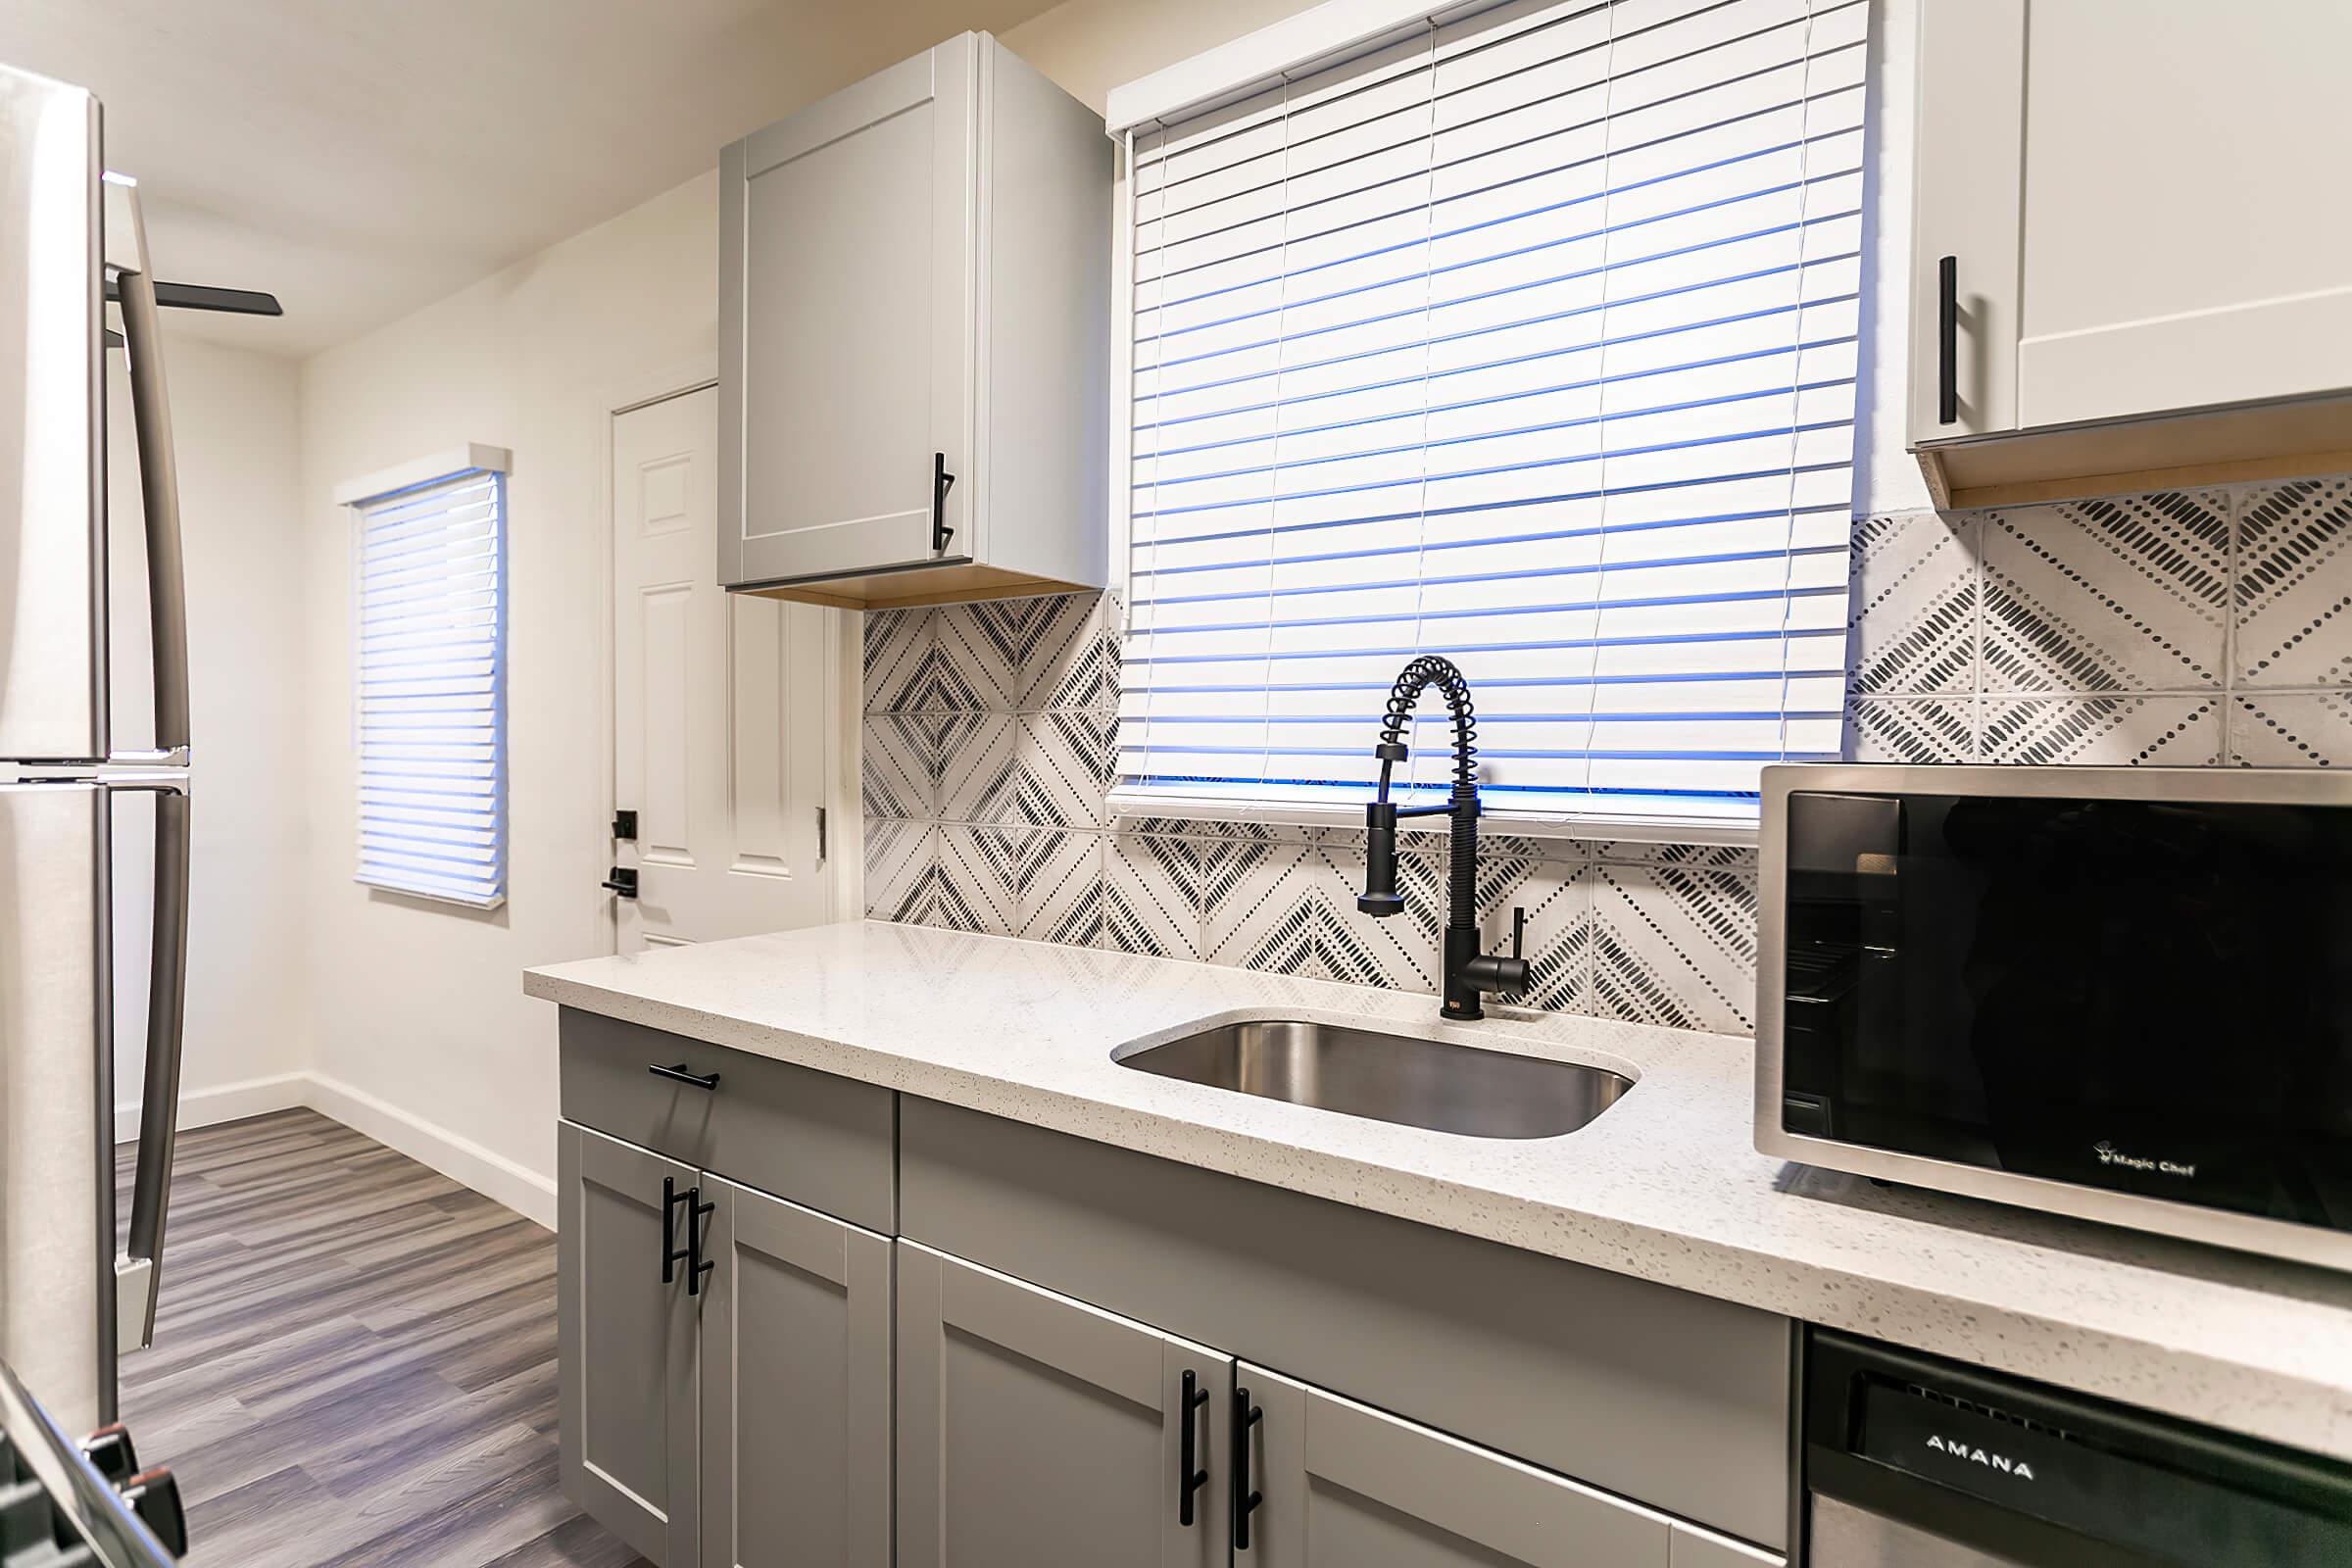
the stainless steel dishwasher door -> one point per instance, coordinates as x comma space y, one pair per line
1846, 1536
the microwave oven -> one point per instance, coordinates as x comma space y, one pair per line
2122, 994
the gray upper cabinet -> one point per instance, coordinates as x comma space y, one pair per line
1034, 1431
1343, 1486
915, 281
796, 1399
2082, 244
626, 1370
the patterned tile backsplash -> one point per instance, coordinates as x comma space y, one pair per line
2192, 630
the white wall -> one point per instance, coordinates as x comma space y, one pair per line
237, 430
1091, 46
421, 1034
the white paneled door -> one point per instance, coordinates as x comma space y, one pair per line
725, 707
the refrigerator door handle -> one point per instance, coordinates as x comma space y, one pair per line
136, 1275
159, 478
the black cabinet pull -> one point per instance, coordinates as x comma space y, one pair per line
671, 1198
1189, 1475
1947, 340
696, 1265
1244, 1501
942, 481
679, 1075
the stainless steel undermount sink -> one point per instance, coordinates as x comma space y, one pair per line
1362, 1072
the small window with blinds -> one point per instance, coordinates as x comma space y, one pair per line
1527, 335
429, 667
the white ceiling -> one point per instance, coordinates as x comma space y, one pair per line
362, 158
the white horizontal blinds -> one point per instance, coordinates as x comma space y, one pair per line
1528, 338
430, 640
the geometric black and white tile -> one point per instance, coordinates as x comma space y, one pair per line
2105, 732
897, 644
1151, 894
1912, 604
1676, 945
1919, 730
2291, 730
2122, 595
2294, 586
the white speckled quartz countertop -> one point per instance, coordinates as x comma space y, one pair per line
1666, 1185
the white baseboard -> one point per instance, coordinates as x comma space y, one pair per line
460, 1159
209, 1108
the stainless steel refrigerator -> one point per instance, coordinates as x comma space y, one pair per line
72, 1295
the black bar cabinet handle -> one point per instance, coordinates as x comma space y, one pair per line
695, 1264
942, 481
671, 1198
1190, 1476
1244, 1501
679, 1074
1947, 340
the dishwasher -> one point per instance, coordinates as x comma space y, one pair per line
1913, 1461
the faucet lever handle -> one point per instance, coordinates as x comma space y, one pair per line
1518, 931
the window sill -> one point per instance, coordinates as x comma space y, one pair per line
1128, 806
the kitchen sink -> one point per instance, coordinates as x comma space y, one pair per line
1363, 1072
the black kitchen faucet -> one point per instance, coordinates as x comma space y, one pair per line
1468, 972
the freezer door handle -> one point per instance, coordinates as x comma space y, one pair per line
159, 478
138, 1274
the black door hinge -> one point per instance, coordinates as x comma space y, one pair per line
622, 880
942, 481
624, 826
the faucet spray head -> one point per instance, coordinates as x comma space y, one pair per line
1380, 896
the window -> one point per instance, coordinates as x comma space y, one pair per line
429, 618
1525, 334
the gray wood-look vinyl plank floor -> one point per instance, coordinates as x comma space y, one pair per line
354, 1362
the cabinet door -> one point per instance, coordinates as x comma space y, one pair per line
1034, 1431
626, 1343
1342, 1486
2184, 243
845, 267
796, 1387
1971, 126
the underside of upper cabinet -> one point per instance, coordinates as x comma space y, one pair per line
2218, 446
944, 584
914, 339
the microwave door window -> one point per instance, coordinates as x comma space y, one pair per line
2154, 996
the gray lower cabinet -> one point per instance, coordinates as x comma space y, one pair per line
1344, 1485
740, 1419
626, 1345
1639, 1390
820, 1395
1035, 1432
795, 1452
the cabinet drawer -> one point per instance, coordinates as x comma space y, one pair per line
823, 1141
